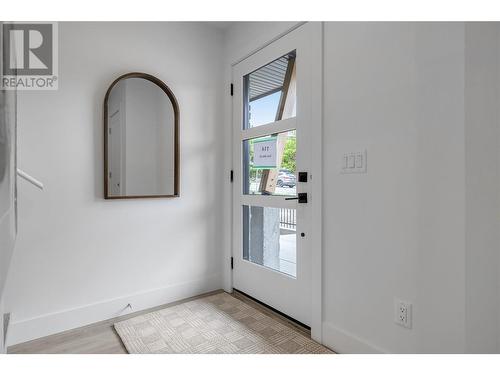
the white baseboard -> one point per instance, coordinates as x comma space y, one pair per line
343, 342
48, 324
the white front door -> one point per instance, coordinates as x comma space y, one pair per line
272, 127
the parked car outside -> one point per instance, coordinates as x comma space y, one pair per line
286, 178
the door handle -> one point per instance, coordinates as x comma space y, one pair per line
301, 197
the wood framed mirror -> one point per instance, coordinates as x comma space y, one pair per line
141, 138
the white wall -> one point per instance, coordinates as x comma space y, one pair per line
412, 95
396, 232
482, 186
80, 258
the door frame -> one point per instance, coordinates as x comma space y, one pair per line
316, 169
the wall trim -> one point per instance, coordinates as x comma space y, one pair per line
270, 41
59, 321
316, 167
344, 342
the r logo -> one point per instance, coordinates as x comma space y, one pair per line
28, 49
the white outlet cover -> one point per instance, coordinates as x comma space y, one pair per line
403, 313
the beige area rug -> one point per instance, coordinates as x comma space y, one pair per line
218, 323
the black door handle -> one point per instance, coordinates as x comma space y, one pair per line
301, 197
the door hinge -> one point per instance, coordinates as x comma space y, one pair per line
231, 176
232, 263
109, 174
231, 89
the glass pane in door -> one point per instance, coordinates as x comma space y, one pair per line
269, 164
269, 238
269, 92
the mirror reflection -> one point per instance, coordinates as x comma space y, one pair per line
141, 128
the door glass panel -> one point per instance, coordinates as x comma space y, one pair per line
269, 164
269, 238
269, 92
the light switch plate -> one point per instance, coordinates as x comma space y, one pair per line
354, 162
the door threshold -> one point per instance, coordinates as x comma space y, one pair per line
294, 322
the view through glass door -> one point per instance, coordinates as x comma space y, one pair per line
271, 163
269, 166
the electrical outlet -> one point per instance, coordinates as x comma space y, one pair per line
402, 313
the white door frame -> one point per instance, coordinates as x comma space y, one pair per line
316, 169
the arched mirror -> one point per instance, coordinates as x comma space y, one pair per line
141, 139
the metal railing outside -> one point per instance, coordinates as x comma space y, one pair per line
288, 218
